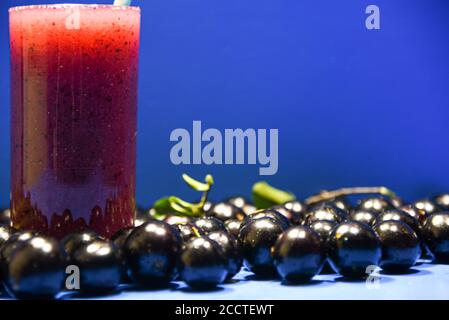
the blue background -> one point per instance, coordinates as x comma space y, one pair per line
353, 106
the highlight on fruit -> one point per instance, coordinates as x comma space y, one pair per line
204, 244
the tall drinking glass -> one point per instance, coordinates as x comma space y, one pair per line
73, 118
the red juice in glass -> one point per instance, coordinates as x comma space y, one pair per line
73, 117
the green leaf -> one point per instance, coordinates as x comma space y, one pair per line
266, 196
170, 205
180, 209
209, 180
186, 208
162, 206
179, 201
195, 184
158, 216
175, 205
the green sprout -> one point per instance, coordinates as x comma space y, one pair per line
175, 205
266, 196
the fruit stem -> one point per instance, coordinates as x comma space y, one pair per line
329, 195
265, 195
196, 232
175, 205
197, 209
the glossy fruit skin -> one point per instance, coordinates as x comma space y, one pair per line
6, 232
185, 228
324, 229
70, 243
209, 224
142, 215
352, 247
442, 201
298, 254
364, 215
188, 231
325, 211
119, 239
5, 216
340, 202
402, 216
202, 263
426, 205
36, 269
224, 211
297, 207
151, 252
294, 217
415, 222
256, 238
436, 235
231, 249
377, 204
238, 201
397, 202
207, 205
248, 209
268, 213
418, 214
174, 220
233, 227
100, 266
15, 241
400, 246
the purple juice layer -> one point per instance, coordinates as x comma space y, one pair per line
74, 104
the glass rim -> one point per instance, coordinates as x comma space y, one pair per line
72, 5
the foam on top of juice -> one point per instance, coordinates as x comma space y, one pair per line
59, 20
73, 5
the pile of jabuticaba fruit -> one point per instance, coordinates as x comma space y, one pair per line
291, 242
